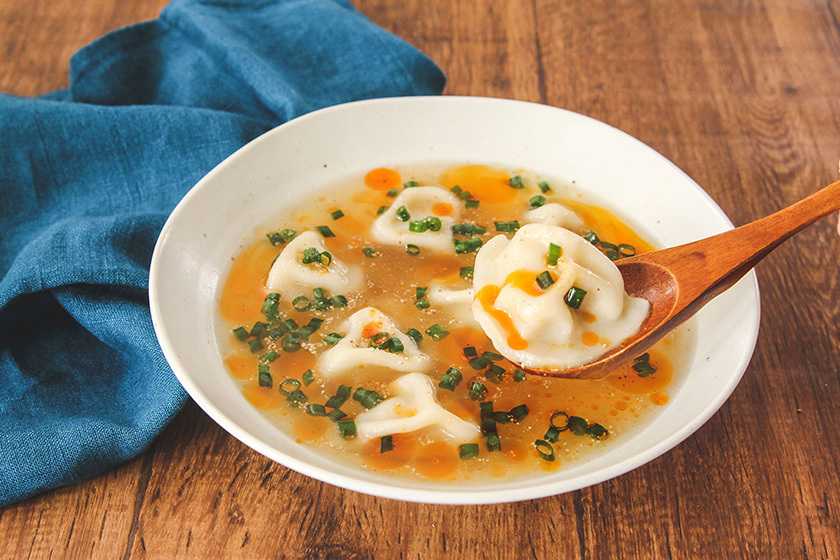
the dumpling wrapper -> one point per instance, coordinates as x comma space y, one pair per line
420, 203
413, 407
458, 303
290, 277
354, 351
554, 214
555, 335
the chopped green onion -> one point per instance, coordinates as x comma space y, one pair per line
241, 333
470, 352
480, 362
464, 195
434, 223
315, 410
412, 249
325, 258
336, 415
578, 426
301, 303
395, 346
552, 435
275, 238
369, 252
325, 231
559, 421
265, 379
492, 355
339, 301
518, 413
292, 343
554, 253
502, 417
518, 375
436, 332
494, 443
644, 369
477, 391
420, 291
471, 203
467, 272
269, 306
545, 449
379, 340
643, 358
289, 325
259, 328
336, 215
347, 428
275, 333
310, 255
308, 377
516, 182
410, 184
597, 431
269, 357
536, 201
507, 227
315, 323
544, 187
255, 345
467, 245
402, 214
381, 210
417, 226
392, 192
456, 189
386, 444
450, 379
422, 304
296, 397
574, 297
626, 250
290, 385
592, 237
366, 398
612, 254
415, 335
340, 397
495, 373
468, 451
544, 280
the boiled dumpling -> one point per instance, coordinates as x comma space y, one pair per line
291, 277
413, 407
457, 303
354, 351
535, 326
554, 214
439, 205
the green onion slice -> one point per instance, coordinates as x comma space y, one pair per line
308, 377
436, 332
336, 215
574, 297
536, 201
386, 444
412, 249
325, 231
518, 413
402, 214
559, 421
592, 237
477, 391
468, 451
333, 338
369, 252
315, 410
554, 254
241, 333
544, 187
289, 386
466, 272
415, 335
545, 449
626, 250
578, 426
347, 428
516, 182
544, 280
301, 303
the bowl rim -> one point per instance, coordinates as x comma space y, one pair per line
464, 495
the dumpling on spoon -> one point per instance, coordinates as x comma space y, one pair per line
548, 299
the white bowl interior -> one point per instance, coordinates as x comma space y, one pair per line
208, 227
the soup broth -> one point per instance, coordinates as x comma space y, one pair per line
528, 424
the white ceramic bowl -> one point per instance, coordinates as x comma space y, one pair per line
207, 228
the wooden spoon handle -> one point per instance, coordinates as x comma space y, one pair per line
710, 266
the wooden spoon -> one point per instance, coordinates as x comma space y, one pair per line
679, 281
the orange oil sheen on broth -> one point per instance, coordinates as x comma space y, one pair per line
391, 278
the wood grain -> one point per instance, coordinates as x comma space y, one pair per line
742, 95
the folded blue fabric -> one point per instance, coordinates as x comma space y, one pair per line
88, 176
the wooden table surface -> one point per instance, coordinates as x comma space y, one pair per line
742, 95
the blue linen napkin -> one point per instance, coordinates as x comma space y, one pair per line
88, 176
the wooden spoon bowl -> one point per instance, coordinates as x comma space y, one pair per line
680, 280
